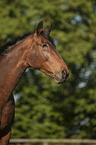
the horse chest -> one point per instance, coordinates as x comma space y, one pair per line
7, 116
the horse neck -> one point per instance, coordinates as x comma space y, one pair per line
12, 66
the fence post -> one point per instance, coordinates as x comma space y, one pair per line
45, 143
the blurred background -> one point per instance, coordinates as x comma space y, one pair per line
45, 109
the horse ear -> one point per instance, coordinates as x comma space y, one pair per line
49, 29
39, 28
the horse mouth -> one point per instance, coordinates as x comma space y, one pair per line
60, 81
57, 80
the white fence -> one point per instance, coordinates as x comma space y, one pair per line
46, 141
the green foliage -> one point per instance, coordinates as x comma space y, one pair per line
45, 109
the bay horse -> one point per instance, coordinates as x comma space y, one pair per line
35, 50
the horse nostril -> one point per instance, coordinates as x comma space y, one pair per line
62, 76
65, 74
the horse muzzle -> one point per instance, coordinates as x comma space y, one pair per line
61, 77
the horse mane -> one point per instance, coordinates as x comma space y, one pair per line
19, 38
12, 42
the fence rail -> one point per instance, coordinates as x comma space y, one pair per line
46, 141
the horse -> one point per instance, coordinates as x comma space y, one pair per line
36, 50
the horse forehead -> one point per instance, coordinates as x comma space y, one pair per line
43, 39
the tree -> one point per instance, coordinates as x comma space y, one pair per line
52, 110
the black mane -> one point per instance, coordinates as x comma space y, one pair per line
10, 43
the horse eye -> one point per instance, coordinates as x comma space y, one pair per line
45, 47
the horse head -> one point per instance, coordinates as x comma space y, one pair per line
44, 56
